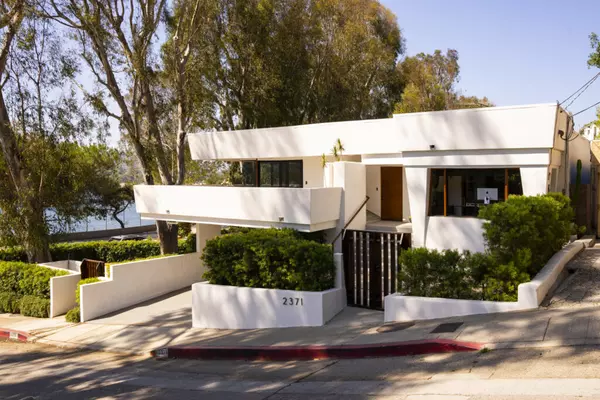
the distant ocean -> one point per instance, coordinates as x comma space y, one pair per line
130, 217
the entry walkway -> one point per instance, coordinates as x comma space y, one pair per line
582, 287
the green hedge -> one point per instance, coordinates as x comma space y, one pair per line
33, 306
10, 302
521, 235
269, 258
73, 315
26, 279
526, 231
102, 250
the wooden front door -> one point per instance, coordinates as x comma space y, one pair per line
391, 193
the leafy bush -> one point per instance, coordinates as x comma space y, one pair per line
27, 279
10, 302
73, 315
33, 306
452, 275
269, 258
83, 282
102, 250
527, 230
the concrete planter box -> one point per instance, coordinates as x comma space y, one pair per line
530, 295
232, 307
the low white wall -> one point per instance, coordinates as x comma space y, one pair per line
231, 307
134, 282
462, 233
62, 293
70, 265
533, 292
530, 295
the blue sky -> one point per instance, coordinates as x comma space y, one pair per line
512, 51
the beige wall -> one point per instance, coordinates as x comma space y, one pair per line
374, 189
312, 172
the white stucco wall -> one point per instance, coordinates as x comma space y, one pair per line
417, 182
461, 233
312, 172
351, 177
231, 307
70, 265
534, 180
300, 208
374, 189
405, 198
529, 126
62, 293
135, 282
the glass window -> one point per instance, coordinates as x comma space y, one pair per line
280, 173
461, 192
436, 198
249, 173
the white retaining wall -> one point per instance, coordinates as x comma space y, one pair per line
135, 282
231, 307
70, 265
530, 295
62, 293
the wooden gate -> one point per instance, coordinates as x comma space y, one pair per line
371, 266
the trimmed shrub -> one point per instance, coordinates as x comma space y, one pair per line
527, 230
102, 250
83, 282
269, 258
27, 279
73, 315
10, 302
33, 306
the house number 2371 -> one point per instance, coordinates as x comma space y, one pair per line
293, 301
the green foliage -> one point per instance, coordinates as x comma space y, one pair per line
10, 302
27, 279
527, 230
452, 275
73, 315
430, 81
269, 258
102, 250
83, 282
33, 306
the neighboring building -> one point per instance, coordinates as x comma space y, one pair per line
590, 131
425, 174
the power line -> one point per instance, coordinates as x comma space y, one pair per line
584, 86
585, 109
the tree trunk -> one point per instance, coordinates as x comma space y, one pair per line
36, 241
167, 234
115, 216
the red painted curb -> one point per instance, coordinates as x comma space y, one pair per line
13, 335
286, 353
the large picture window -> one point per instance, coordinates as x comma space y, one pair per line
461, 192
271, 174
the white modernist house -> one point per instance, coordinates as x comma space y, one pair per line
423, 175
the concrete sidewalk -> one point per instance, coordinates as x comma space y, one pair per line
354, 326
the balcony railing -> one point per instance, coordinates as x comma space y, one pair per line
305, 209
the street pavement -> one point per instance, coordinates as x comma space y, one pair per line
34, 371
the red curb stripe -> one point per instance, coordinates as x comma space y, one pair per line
13, 335
286, 353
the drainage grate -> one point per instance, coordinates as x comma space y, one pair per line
399, 326
447, 328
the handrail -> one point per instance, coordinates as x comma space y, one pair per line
350, 220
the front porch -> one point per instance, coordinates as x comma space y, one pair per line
376, 224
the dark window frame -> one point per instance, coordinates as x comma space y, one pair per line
284, 175
507, 172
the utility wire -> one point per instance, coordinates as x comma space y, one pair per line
584, 89
585, 109
584, 86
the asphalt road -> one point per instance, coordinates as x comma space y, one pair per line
31, 371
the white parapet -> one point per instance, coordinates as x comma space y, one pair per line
62, 293
530, 296
232, 307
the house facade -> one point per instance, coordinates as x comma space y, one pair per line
423, 174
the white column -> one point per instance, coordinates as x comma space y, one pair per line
417, 184
205, 232
534, 180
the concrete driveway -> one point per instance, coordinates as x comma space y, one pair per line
173, 309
